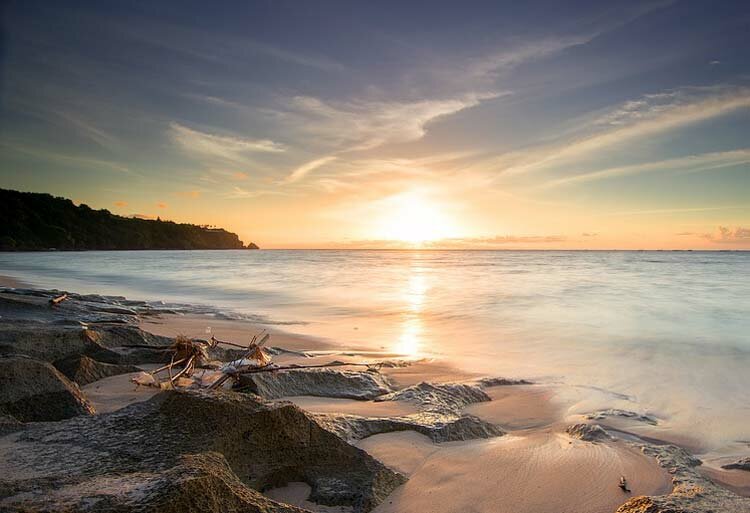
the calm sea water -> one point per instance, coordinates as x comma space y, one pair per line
661, 332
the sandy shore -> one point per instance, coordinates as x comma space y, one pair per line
8, 281
536, 467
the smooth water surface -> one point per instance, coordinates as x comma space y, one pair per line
669, 330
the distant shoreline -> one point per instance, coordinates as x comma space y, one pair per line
509, 250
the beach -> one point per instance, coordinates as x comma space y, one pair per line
536, 467
530, 447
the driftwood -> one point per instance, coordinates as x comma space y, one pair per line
57, 300
187, 354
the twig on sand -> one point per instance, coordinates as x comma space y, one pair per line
57, 300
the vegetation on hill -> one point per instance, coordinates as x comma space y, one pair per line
32, 221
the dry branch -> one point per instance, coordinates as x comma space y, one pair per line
57, 300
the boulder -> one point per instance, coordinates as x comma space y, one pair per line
440, 418
625, 414
502, 382
692, 492
9, 424
362, 385
34, 391
441, 397
207, 451
588, 432
83, 370
439, 428
743, 464
50, 342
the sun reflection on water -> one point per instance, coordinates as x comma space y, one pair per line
410, 340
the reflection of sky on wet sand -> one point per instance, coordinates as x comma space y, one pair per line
410, 340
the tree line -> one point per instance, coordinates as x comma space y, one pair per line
33, 221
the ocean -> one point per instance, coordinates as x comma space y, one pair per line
663, 333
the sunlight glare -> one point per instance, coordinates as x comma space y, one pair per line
414, 219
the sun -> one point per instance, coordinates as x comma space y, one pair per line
414, 219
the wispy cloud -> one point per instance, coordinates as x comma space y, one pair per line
366, 124
194, 194
658, 211
89, 130
230, 148
727, 235
649, 116
56, 156
213, 47
305, 168
241, 193
121, 204
692, 163
497, 242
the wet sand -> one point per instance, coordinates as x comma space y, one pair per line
8, 281
535, 468
539, 473
238, 332
116, 392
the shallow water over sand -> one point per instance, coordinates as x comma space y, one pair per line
666, 333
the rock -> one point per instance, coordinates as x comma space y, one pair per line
50, 342
83, 370
362, 385
443, 397
498, 382
439, 428
613, 412
122, 336
9, 424
187, 451
34, 391
743, 464
692, 493
588, 432
441, 418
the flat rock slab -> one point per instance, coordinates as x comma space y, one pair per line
743, 464
440, 416
344, 384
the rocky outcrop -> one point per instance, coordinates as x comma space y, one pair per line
626, 414
588, 432
317, 382
743, 464
33, 391
440, 417
448, 398
47, 342
502, 382
9, 424
692, 493
439, 428
187, 451
84, 370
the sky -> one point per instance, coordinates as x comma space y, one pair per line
353, 124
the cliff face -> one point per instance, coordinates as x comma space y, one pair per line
32, 221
